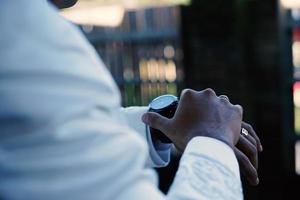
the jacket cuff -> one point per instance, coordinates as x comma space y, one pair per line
215, 150
159, 153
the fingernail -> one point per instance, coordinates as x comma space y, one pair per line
261, 148
257, 181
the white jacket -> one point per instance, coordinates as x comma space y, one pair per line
63, 134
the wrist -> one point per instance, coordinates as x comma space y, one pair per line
226, 141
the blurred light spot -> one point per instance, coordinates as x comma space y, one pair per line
297, 157
296, 14
171, 71
297, 94
296, 54
152, 69
161, 70
91, 14
291, 3
169, 51
128, 74
143, 70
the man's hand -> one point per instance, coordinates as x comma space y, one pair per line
200, 114
246, 152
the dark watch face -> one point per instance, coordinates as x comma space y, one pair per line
166, 106
163, 102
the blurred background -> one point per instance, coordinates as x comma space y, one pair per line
247, 49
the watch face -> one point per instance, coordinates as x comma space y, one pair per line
163, 101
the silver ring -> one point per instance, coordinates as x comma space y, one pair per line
244, 132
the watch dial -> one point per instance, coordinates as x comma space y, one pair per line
162, 101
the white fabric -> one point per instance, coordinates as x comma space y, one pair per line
159, 153
209, 165
62, 135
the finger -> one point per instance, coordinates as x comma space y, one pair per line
247, 169
157, 121
249, 149
208, 92
251, 131
249, 137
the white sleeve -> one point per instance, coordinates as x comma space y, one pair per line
159, 153
208, 170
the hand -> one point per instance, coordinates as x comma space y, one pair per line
200, 114
246, 152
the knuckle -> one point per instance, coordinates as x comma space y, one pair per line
248, 126
187, 93
209, 92
255, 143
239, 109
225, 101
244, 159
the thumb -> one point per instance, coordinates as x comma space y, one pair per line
156, 121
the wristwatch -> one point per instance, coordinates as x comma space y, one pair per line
166, 106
